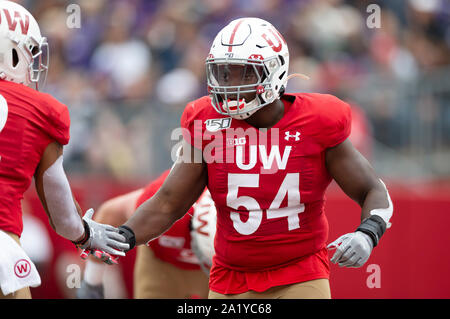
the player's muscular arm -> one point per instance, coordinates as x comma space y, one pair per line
358, 180
64, 212
180, 190
54, 192
356, 177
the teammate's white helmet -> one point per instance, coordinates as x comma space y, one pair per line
262, 54
203, 230
23, 51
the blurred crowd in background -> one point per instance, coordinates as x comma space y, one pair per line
127, 73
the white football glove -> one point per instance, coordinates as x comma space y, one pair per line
352, 249
105, 238
100, 255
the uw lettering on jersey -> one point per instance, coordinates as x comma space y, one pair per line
269, 185
174, 246
29, 121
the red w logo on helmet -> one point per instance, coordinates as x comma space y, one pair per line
278, 37
12, 23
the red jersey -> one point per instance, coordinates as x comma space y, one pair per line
268, 187
174, 246
33, 120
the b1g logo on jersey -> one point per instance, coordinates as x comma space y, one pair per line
236, 141
214, 125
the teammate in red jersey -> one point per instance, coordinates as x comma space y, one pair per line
267, 158
33, 128
168, 267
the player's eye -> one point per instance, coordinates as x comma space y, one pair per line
225, 76
35, 50
222, 73
248, 76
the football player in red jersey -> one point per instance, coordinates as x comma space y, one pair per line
171, 266
33, 128
267, 158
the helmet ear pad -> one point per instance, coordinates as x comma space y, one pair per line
15, 58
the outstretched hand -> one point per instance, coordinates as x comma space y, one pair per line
104, 238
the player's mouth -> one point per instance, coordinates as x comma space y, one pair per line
232, 105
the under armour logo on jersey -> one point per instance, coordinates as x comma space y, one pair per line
287, 136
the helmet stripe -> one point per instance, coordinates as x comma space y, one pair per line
230, 47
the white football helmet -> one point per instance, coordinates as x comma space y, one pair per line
259, 55
23, 51
203, 230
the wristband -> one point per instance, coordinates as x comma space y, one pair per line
128, 233
87, 235
374, 226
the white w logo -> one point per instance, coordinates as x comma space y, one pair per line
266, 159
